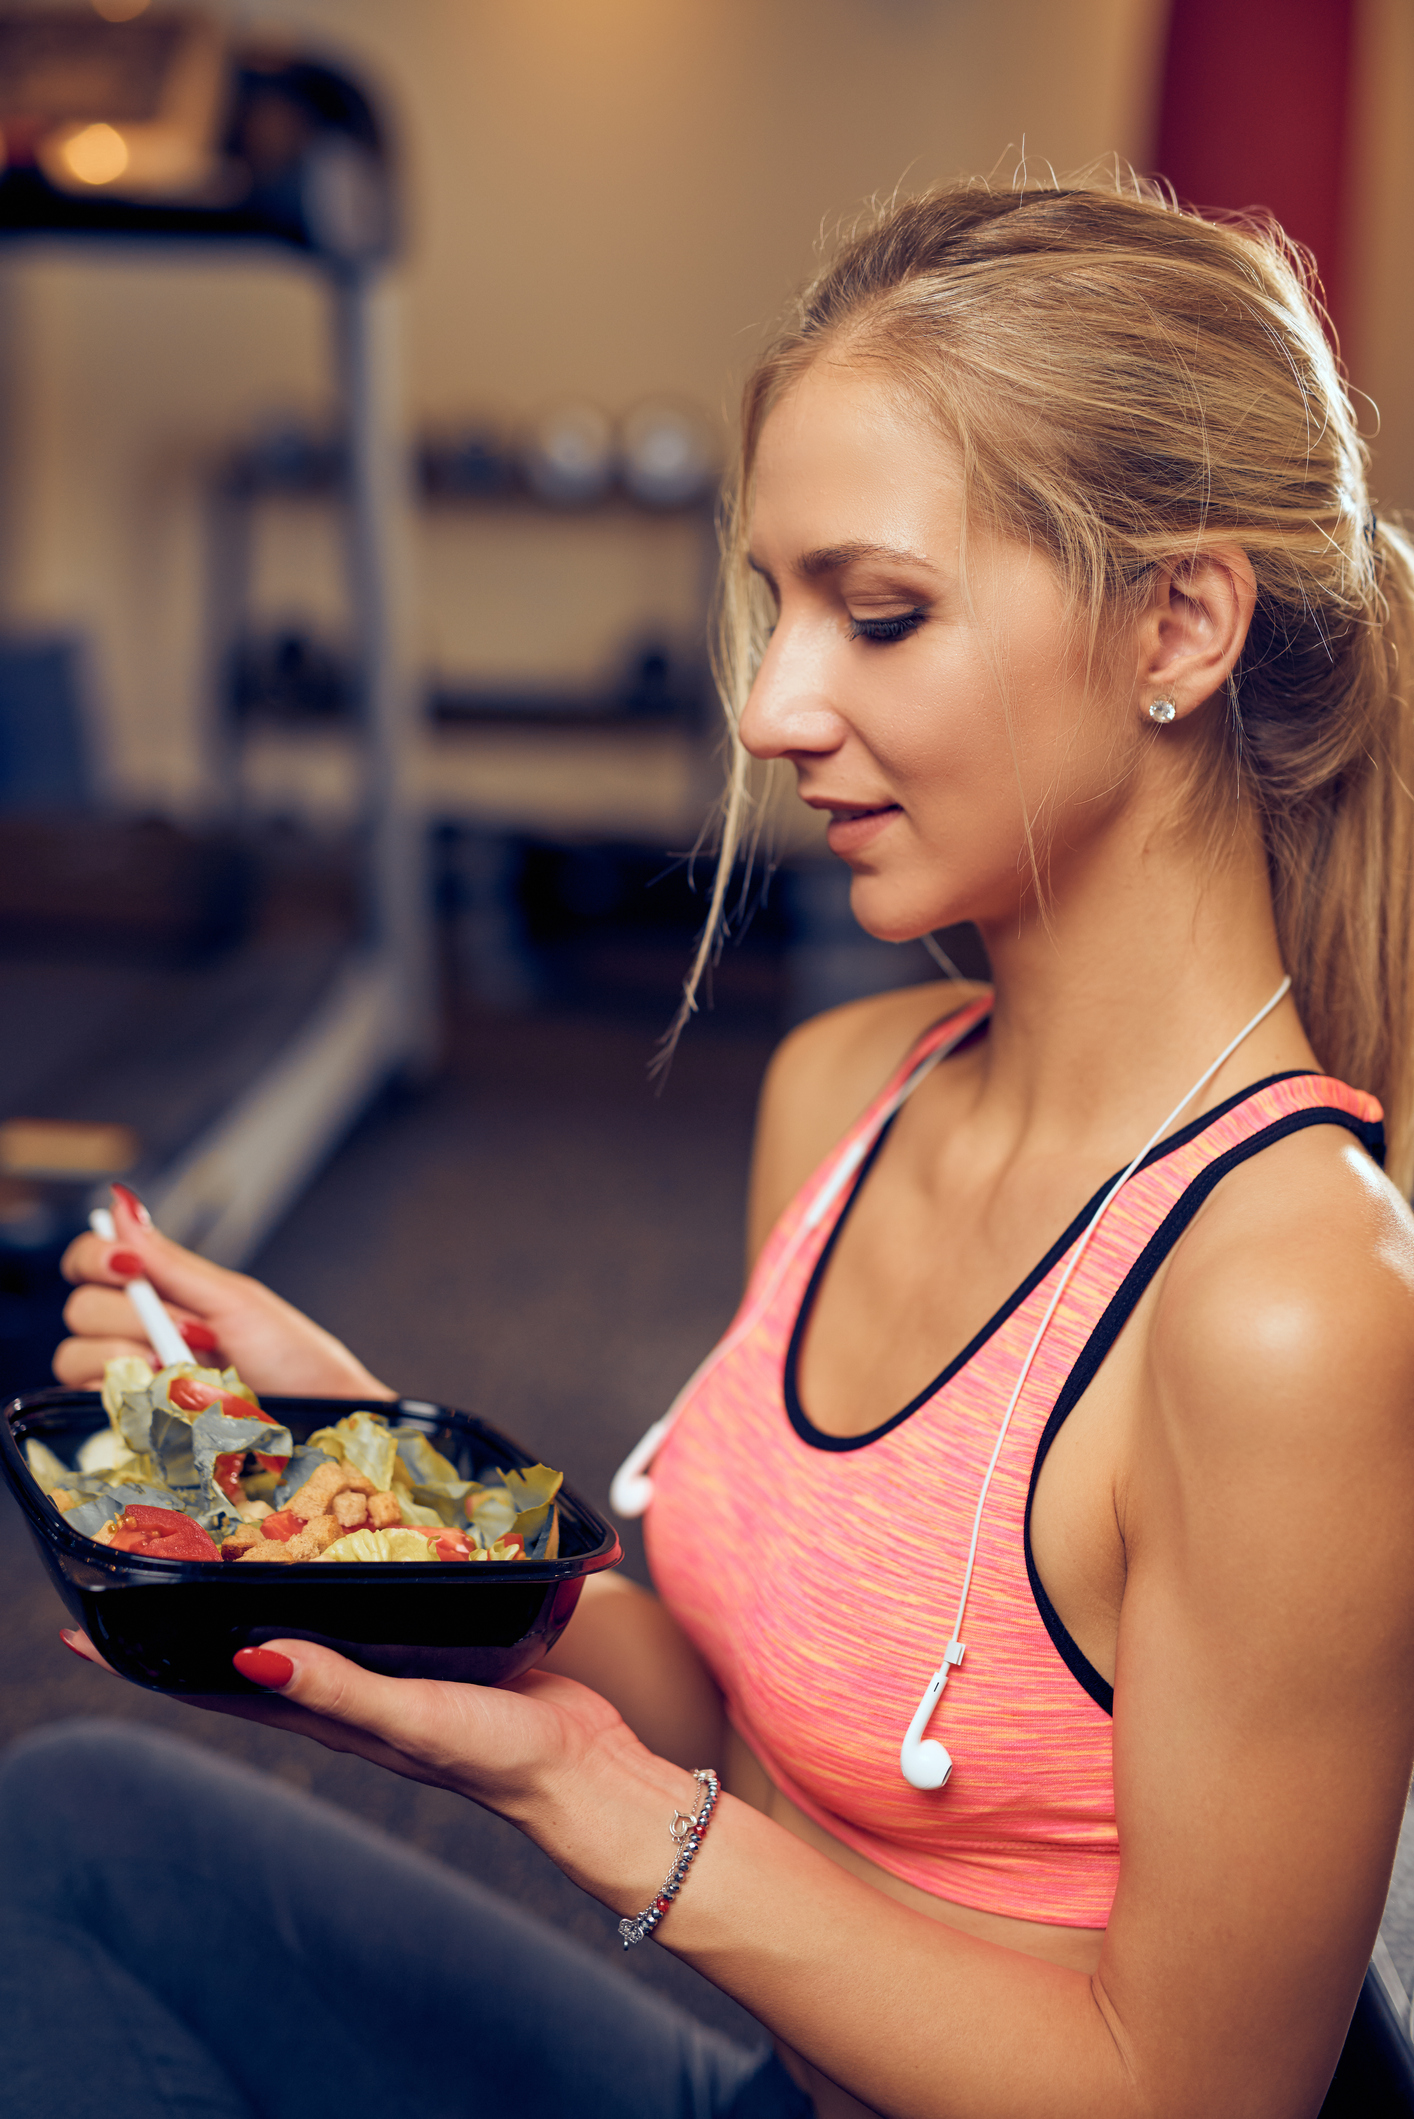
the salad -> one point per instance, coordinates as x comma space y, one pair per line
191, 1467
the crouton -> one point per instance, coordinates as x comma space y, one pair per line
240, 1541
351, 1509
267, 1550
318, 1534
384, 1511
319, 1490
62, 1498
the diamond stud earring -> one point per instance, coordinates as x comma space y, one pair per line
1162, 710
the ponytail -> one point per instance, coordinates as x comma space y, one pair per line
1338, 817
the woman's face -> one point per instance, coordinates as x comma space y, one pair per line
889, 675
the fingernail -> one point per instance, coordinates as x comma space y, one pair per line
198, 1335
134, 1205
68, 1643
126, 1264
264, 1666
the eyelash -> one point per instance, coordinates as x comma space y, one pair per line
886, 630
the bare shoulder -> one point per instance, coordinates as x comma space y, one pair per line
1288, 1310
823, 1075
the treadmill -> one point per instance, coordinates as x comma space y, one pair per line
235, 1077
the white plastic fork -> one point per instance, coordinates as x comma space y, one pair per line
167, 1342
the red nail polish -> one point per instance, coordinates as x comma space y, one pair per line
264, 1666
198, 1336
125, 1263
71, 1648
134, 1206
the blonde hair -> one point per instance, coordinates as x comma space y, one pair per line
1128, 383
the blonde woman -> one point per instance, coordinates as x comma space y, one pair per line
1036, 1555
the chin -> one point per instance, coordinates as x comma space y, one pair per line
894, 921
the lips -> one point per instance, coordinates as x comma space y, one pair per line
853, 825
844, 812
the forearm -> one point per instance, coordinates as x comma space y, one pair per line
912, 2017
625, 1646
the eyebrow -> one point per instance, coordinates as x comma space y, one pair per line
828, 559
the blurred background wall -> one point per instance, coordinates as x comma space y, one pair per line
605, 201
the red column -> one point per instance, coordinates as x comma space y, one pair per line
1255, 110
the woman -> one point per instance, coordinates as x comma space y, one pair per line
1053, 575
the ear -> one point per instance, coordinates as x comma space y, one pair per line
1193, 627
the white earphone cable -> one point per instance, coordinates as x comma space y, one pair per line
956, 1647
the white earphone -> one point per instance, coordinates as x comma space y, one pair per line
924, 1762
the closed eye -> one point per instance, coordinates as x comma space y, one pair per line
885, 630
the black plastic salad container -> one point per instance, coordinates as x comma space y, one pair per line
174, 1625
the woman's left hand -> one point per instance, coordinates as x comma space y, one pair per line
543, 1751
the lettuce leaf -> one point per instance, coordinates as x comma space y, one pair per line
523, 1502
47, 1470
105, 1451
365, 1441
378, 1545
426, 1479
127, 1374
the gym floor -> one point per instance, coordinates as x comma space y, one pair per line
543, 1239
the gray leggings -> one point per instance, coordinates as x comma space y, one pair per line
185, 1939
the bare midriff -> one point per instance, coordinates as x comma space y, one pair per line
1078, 1949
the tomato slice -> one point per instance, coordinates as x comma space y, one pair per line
283, 1524
226, 1471
451, 1545
141, 1515
162, 1534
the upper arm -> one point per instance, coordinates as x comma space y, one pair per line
820, 1079
1264, 1693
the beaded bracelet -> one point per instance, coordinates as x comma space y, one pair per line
687, 1834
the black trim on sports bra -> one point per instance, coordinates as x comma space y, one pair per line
1116, 1315
800, 1420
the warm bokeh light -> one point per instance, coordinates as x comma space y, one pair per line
120, 10
97, 155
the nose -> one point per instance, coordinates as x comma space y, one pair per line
790, 712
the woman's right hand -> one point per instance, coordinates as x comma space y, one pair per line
224, 1317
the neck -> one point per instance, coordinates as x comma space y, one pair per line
1150, 957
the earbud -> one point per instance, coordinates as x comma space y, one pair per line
632, 1489
922, 1760
630, 1494
926, 1765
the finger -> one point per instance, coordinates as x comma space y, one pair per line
435, 1731
94, 1312
87, 1258
79, 1363
276, 1713
79, 1644
178, 1275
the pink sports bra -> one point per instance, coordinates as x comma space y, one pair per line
817, 1574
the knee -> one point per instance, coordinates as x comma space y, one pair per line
71, 1786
